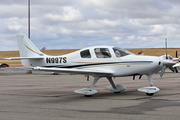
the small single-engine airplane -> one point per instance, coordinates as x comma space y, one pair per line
96, 61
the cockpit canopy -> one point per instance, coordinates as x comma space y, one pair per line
168, 57
104, 52
121, 52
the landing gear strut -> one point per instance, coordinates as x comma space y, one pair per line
113, 87
88, 92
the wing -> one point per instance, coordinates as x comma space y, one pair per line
77, 71
176, 65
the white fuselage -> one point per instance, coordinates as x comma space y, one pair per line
121, 66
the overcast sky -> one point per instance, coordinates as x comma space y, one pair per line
68, 24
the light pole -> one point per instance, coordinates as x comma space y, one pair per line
29, 71
29, 19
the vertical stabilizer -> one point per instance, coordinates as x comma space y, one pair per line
26, 47
29, 50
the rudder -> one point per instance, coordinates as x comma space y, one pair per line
29, 50
26, 47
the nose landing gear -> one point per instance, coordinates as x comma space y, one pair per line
151, 89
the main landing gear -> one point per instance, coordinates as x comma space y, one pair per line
88, 92
151, 89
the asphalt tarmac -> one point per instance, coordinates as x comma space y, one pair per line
43, 96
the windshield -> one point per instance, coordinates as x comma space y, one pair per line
121, 52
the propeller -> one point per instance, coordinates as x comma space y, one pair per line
168, 63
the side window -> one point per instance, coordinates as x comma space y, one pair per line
102, 53
85, 54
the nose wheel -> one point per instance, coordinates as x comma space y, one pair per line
149, 94
88, 95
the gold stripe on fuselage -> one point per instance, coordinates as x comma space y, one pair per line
113, 65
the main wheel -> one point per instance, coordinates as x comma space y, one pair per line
149, 94
116, 92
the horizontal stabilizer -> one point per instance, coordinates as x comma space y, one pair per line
20, 58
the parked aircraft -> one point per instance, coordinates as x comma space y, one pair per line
96, 61
140, 53
172, 61
169, 62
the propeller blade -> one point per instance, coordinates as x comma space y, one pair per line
140, 76
166, 47
175, 70
162, 71
176, 54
